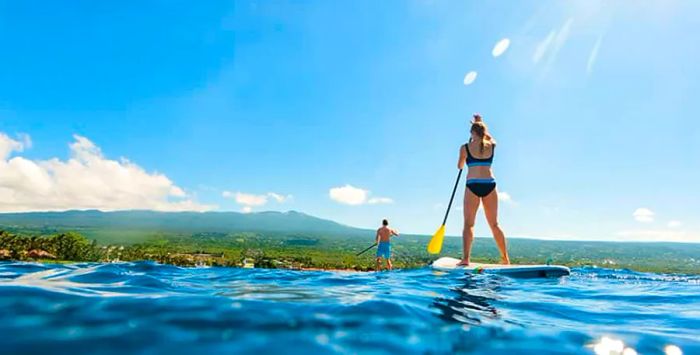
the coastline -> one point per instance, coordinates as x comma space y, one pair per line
331, 253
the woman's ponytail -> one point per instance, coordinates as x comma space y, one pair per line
479, 128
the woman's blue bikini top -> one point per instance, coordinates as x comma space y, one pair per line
473, 161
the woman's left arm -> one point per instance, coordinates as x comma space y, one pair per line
462, 157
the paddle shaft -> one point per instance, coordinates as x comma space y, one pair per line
454, 190
368, 248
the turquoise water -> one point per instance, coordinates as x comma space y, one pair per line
151, 308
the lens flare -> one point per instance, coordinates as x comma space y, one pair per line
500, 47
469, 78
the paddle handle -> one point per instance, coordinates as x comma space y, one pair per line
368, 248
454, 190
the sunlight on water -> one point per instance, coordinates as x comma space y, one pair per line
672, 350
609, 346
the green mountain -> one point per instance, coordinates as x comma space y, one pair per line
95, 223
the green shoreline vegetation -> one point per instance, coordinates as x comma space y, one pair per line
319, 251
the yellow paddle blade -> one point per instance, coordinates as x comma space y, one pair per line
435, 244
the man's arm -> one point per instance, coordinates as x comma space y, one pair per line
378, 237
395, 232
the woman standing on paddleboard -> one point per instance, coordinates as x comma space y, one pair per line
481, 188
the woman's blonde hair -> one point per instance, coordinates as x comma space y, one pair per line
482, 131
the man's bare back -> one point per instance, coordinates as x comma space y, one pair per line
384, 234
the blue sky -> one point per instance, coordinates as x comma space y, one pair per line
271, 105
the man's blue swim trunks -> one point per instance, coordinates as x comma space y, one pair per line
384, 250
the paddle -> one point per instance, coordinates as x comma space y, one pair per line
435, 244
368, 248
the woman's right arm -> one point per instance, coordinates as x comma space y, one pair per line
462, 157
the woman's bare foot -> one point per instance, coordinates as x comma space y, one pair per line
505, 261
463, 263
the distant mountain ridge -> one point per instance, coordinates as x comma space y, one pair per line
288, 222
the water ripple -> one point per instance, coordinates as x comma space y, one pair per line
146, 307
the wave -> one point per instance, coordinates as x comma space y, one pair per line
149, 307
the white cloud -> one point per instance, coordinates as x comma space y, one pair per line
504, 196
380, 201
280, 198
348, 195
87, 180
177, 192
354, 196
594, 55
248, 201
643, 215
674, 224
500, 47
469, 78
9, 145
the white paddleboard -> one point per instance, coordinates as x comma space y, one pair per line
450, 264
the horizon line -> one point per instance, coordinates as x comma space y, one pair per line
515, 236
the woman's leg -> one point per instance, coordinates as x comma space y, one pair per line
471, 205
491, 212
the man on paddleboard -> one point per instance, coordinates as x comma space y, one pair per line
384, 234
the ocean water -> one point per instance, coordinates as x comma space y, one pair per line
151, 308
